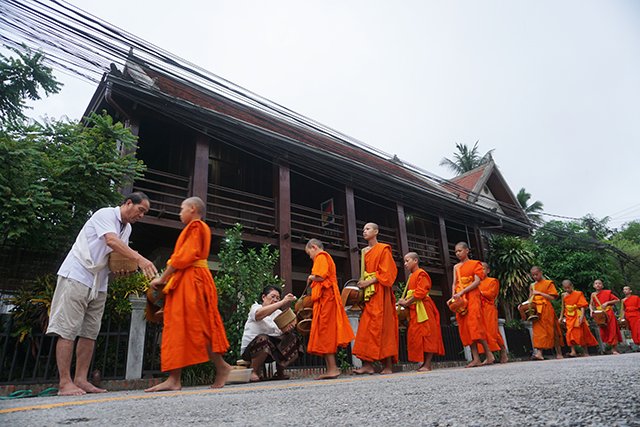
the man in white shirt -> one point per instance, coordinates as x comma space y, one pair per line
81, 292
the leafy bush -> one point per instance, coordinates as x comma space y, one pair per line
31, 307
243, 274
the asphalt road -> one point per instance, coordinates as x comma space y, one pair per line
595, 391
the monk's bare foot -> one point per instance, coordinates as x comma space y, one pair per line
88, 387
70, 389
424, 368
504, 358
167, 385
329, 375
489, 360
364, 371
614, 352
386, 371
254, 378
559, 356
222, 374
572, 354
473, 364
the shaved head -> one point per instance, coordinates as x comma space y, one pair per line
536, 268
463, 245
314, 242
412, 255
373, 225
197, 203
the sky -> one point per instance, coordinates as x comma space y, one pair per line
553, 87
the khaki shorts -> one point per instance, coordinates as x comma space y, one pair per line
72, 314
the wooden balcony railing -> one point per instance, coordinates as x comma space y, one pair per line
226, 207
307, 223
427, 248
166, 191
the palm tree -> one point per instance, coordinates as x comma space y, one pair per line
466, 159
532, 210
511, 258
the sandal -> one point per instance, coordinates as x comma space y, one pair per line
18, 394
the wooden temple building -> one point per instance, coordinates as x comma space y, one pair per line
286, 179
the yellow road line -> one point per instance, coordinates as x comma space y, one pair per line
206, 391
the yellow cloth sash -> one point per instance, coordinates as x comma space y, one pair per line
371, 289
171, 283
421, 311
571, 310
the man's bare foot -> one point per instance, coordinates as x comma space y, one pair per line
489, 360
254, 378
424, 368
473, 364
614, 352
88, 387
504, 358
386, 371
222, 374
70, 389
167, 385
559, 356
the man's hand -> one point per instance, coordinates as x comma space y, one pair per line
147, 267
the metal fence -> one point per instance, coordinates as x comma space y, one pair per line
32, 360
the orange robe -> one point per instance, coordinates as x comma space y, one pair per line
577, 334
424, 337
609, 334
632, 314
330, 327
192, 322
489, 288
470, 325
377, 336
546, 329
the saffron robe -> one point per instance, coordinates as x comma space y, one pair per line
489, 288
377, 336
192, 322
470, 325
577, 334
423, 337
330, 327
632, 314
546, 330
609, 334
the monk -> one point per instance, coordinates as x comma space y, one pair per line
330, 327
424, 337
578, 332
631, 305
546, 330
377, 336
467, 275
604, 299
489, 289
193, 331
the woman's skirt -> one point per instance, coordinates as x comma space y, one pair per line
284, 349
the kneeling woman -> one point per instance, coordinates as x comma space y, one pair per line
263, 341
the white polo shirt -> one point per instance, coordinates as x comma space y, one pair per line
105, 220
254, 327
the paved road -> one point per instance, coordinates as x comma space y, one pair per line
595, 391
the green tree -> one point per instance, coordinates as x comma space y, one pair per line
569, 250
21, 79
466, 159
627, 240
54, 175
511, 258
243, 273
532, 210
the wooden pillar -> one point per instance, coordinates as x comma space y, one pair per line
403, 241
351, 233
483, 251
201, 168
284, 225
133, 125
446, 261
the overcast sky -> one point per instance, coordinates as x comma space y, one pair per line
552, 86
